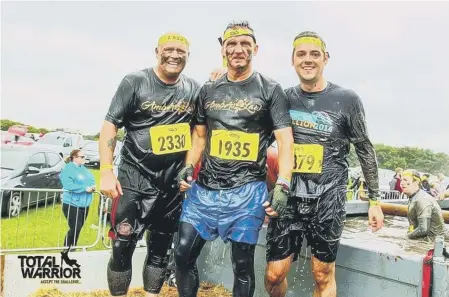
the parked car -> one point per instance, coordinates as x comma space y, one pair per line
10, 140
28, 167
91, 151
61, 142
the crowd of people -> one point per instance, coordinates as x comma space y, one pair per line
438, 188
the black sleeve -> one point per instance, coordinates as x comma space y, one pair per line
280, 109
358, 135
120, 103
200, 117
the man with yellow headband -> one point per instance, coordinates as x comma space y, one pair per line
326, 119
424, 212
155, 106
236, 118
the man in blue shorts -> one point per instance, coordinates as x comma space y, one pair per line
235, 120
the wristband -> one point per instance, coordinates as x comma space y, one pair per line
106, 167
283, 182
374, 202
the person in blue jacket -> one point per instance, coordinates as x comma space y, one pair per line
79, 184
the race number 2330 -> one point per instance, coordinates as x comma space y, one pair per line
308, 158
168, 139
234, 145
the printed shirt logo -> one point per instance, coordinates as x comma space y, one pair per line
234, 106
179, 107
317, 121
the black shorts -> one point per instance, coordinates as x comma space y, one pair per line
319, 221
143, 206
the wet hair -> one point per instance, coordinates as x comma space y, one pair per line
238, 24
73, 155
310, 34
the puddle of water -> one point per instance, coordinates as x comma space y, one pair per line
392, 237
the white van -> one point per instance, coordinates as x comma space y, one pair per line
61, 142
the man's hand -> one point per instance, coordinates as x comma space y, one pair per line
90, 189
217, 73
269, 210
375, 217
184, 177
109, 185
278, 199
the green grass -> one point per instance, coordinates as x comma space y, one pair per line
46, 226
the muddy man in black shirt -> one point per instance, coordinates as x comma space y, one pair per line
155, 106
236, 118
326, 119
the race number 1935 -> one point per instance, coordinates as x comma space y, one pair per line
234, 145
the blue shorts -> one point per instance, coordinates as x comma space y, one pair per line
235, 214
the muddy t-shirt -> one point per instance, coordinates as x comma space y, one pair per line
157, 121
422, 205
240, 118
324, 125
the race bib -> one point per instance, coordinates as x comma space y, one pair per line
308, 158
234, 145
169, 139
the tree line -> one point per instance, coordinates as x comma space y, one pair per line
388, 157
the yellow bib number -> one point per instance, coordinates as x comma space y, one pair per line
234, 145
168, 139
308, 158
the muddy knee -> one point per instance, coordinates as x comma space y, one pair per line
182, 256
274, 277
242, 258
123, 247
323, 275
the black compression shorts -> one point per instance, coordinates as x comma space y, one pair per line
320, 221
143, 206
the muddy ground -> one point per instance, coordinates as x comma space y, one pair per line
206, 290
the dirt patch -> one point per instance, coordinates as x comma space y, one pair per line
206, 290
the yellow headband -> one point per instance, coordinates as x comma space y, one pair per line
172, 37
311, 40
412, 175
236, 32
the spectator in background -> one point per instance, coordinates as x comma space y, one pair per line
435, 189
424, 213
80, 183
425, 185
395, 184
444, 182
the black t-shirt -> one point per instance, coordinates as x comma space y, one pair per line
240, 118
324, 125
157, 121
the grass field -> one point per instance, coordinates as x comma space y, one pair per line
47, 226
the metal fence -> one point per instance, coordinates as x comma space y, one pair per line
37, 220
386, 195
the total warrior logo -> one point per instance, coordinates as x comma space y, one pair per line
50, 269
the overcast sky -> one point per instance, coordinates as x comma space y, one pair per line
61, 62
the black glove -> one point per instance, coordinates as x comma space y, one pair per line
278, 199
186, 171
